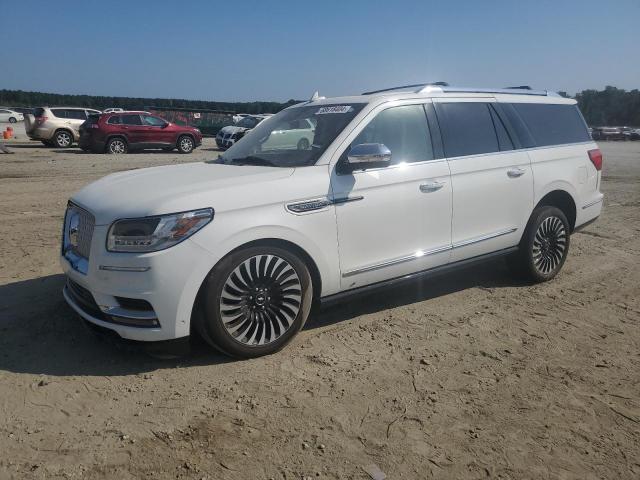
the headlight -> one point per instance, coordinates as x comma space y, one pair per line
150, 234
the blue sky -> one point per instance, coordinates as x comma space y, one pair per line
267, 50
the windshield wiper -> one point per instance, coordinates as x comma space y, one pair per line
251, 160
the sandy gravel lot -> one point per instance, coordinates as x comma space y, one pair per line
473, 375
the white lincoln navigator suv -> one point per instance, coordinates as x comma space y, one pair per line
394, 184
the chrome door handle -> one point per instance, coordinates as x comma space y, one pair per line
515, 172
431, 187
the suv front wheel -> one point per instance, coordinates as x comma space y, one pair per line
544, 245
255, 301
185, 144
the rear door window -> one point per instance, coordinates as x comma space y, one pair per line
551, 124
467, 128
403, 130
131, 120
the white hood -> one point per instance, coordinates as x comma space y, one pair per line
232, 129
178, 188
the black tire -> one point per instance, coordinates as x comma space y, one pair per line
12, 120
62, 139
544, 246
303, 144
264, 293
117, 146
185, 144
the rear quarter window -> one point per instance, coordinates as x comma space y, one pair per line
553, 124
77, 114
59, 112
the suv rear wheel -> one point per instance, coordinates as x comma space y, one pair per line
544, 245
117, 146
185, 144
12, 120
255, 301
62, 139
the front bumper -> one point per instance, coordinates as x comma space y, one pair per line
115, 285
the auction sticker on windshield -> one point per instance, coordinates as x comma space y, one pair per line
334, 109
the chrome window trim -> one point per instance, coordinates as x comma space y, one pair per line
424, 253
530, 149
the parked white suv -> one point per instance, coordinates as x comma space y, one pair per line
395, 184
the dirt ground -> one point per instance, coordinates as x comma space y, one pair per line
471, 375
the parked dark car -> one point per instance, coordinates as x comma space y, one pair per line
119, 132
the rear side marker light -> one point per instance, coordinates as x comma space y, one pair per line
596, 158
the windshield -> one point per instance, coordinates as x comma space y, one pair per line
295, 137
248, 122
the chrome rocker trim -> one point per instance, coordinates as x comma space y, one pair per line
423, 253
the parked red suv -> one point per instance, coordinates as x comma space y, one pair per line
118, 132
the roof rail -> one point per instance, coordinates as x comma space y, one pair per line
525, 90
444, 87
405, 87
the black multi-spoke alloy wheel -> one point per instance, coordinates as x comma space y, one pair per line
544, 245
254, 301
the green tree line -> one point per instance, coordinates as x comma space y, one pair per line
611, 106
20, 98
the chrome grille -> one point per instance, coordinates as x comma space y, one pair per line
79, 231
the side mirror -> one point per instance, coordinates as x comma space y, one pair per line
165, 125
367, 155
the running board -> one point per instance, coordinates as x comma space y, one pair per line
337, 297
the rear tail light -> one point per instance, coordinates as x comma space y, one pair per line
596, 158
94, 125
42, 119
